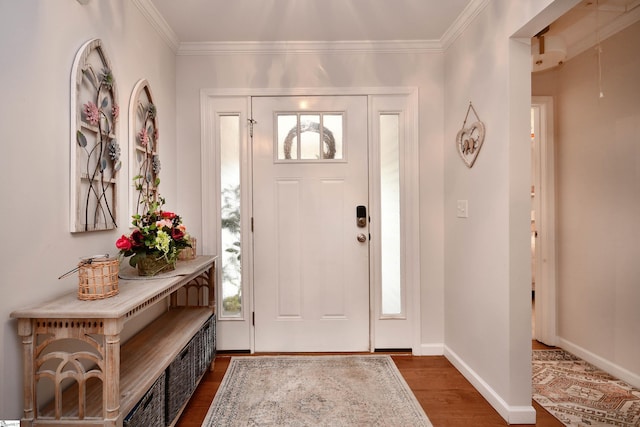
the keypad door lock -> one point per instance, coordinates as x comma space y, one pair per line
361, 216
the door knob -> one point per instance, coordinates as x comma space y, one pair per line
362, 238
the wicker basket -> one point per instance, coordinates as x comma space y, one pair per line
207, 343
180, 382
98, 278
152, 265
149, 411
186, 254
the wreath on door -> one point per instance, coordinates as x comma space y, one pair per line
329, 142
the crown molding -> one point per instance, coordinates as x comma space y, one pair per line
309, 47
157, 21
463, 20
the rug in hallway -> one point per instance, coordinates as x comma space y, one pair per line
579, 394
314, 391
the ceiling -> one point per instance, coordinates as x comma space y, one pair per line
309, 20
274, 21
591, 16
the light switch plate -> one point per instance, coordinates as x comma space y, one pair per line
462, 209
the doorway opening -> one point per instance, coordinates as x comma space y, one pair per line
543, 283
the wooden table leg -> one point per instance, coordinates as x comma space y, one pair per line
111, 386
25, 330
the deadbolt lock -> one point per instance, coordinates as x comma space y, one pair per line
361, 216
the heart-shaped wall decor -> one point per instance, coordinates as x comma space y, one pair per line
469, 141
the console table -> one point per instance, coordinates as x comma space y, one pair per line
75, 347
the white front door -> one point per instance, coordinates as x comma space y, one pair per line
311, 254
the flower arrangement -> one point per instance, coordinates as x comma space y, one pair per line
157, 239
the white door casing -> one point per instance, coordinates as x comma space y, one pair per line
545, 253
394, 332
400, 330
311, 273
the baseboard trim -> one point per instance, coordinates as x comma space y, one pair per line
430, 350
511, 414
602, 363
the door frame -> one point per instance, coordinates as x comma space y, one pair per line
545, 253
237, 334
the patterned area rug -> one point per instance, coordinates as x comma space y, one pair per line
579, 394
314, 391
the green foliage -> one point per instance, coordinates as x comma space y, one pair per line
82, 140
232, 304
231, 210
231, 261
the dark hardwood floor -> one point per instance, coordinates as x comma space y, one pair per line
446, 396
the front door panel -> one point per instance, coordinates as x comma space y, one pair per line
311, 266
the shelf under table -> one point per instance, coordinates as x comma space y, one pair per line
142, 359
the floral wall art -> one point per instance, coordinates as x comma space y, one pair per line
95, 153
145, 160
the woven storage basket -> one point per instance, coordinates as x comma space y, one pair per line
198, 351
186, 254
203, 354
149, 411
213, 338
180, 383
200, 360
98, 278
207, 343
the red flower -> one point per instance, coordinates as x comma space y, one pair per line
176, 233
123, 243
167, 215
137, 239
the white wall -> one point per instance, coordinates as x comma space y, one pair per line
487, 255
38, 42
283, 71
477, 250
598, 201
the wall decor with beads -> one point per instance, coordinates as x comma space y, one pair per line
95, 152
143, 137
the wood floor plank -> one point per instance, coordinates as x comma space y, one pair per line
446, 396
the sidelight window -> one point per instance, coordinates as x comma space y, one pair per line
230, 236
390, 243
